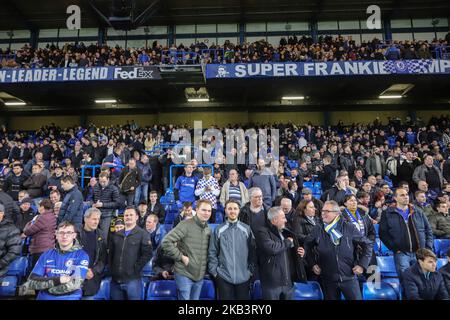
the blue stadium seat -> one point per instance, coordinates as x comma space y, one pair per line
386, 266
307, 291
395, 283
318, 185
104, 291
147, 271
18, 267
8, 285
377, 246
441, 262
384, 292
441, 246
292, 164
384, 251
256, 290
308, 184
208, 290
377, 229
162, 290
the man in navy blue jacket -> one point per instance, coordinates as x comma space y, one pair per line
331, 251
404, 229
421, 281
72, 205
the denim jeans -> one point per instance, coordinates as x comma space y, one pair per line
130, 290
141, 193
188, 289
403, 261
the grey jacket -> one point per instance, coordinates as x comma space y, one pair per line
420, 174
231, 253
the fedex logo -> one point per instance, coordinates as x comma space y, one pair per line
131, 73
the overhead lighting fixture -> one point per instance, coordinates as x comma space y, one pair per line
198, 100
293, 98
106, 101
391, 96
15, 103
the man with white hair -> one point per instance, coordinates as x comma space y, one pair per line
276, 252
331, 249
286, 206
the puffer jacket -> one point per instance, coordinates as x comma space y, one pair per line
405, 237
42, 231
232, 252
11, 207
109, 196
189, 238
417, 287
10, 244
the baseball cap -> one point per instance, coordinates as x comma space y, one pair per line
119, 222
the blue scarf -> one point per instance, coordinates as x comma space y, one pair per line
335, 234
358, 222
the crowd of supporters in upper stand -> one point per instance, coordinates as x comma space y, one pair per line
300, 49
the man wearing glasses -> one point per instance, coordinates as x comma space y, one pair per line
331, 249
60, 272
404, 229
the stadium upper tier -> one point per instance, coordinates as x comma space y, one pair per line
292, 49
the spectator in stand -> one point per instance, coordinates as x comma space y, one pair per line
146, 170
338, 191
72, 205
129, 251
232, 269
429, 173
234, 189
10, 242
187, 244
421, 281
445, 271
207, 188
421, 202
185, 186
332, 251
41, 229
130, 179
35, 183
155, 229
440, 221
93, 242
107, 200
14, 182
404, 229
26, 214
264, 179
185, 213
53, 275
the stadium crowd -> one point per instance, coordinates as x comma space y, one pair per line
302, 49
279, 228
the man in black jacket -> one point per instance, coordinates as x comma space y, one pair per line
277, 263
107, 200
10, 242
404, 229
130, 179
327, 175
129, 250
14, 182
421, 281
155, 207
10, 206
332, 248
338, 191
91, 238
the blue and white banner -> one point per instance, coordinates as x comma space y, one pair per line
338, 68
79, 74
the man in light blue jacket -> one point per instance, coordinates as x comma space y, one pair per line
232, 256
